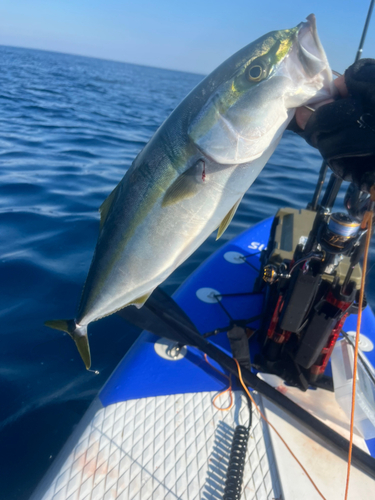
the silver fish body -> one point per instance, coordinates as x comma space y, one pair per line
191, 176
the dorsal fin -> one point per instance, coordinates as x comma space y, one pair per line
227, 219
106, 205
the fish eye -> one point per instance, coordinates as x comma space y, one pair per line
255, 72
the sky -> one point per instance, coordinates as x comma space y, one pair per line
189, 35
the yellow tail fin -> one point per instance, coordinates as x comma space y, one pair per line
78, 334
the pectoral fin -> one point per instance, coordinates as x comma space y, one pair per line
186, 185
227, 219
106, 205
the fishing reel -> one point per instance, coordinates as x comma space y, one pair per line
311, 277
338, 234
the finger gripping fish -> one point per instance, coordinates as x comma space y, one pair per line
191, 176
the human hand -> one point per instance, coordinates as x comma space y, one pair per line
343, 130
303, 114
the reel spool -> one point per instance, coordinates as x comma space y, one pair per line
340, 231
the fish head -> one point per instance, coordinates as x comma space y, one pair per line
257, 91
306, 68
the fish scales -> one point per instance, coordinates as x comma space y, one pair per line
191, 176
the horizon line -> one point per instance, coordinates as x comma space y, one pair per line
101, 59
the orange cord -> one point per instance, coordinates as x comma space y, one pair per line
257, 407
225, 390
220, 394
367, 222
272, 427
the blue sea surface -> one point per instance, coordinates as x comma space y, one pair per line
70, 128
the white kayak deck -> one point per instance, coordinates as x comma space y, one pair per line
164, 447
326, 468
177, 447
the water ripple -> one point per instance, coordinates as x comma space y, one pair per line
70, 127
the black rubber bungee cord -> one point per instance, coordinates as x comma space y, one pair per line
236, 465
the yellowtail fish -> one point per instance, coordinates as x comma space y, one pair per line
191, 176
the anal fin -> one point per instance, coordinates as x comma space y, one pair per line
138, 303
227, 219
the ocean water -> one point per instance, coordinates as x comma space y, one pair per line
70, 127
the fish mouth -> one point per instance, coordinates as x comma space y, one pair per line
310, 51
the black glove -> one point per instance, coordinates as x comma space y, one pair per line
344, 130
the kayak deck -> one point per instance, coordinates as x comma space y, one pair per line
167, 447
153, 432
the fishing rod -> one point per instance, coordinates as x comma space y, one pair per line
324, 168
364, 33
